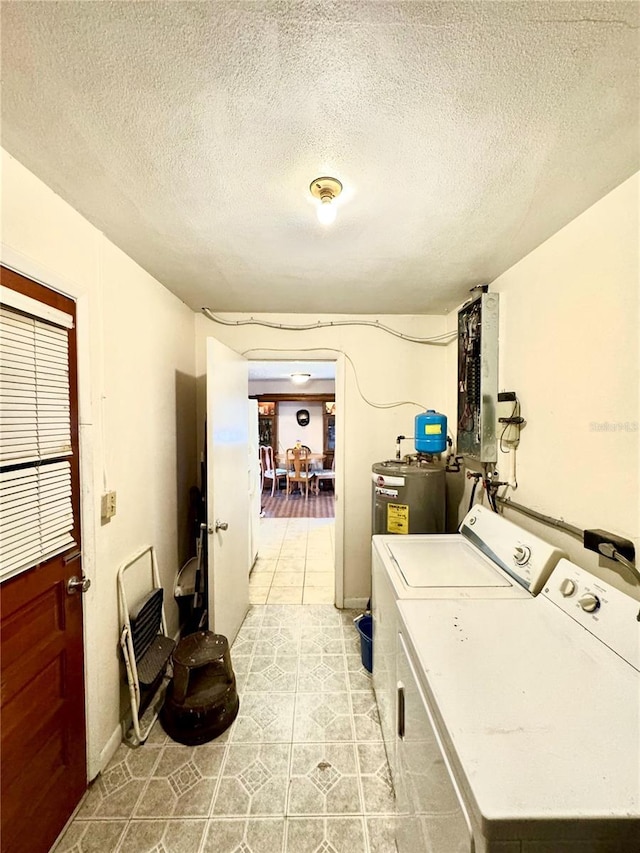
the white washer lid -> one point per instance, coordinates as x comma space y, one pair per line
444, 561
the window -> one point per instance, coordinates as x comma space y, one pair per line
36, 449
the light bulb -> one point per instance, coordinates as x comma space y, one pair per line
326, 211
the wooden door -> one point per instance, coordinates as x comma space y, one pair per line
43, 744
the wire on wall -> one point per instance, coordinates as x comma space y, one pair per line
355, 375
515, 414
435, 340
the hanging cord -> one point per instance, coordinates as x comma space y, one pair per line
490, 489
473, 494
476, 477
491, 485
436, 340
355, 375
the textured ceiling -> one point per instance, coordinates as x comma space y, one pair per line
465, 134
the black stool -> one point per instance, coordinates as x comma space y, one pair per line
202, 699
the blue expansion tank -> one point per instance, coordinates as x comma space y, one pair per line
431, 432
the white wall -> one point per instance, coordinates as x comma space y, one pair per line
569, 348
290, 431
388, 370
137, 413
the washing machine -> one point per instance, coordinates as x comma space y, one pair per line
489, 558
518, 725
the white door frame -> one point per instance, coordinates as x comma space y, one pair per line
339, 456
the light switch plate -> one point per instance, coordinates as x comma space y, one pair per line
108, 505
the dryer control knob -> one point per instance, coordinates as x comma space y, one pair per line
521, 555
589, 602
567, 587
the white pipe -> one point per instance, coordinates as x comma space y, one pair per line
513, 483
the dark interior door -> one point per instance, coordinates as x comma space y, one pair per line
43, 721
43, 745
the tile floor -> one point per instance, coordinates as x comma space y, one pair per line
301, 770
295, 562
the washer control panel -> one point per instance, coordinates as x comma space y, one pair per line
528, 559
606, 612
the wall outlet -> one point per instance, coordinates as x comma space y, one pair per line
108, 506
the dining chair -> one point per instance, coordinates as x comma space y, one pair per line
325, 474
298, 469
269, 469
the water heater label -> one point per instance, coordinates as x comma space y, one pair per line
390, 493
433, 429
397, 518
384, 480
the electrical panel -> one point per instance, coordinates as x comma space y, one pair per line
478, 378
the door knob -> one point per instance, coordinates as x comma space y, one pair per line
76, 584
221, 525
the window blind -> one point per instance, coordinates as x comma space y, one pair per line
36, 514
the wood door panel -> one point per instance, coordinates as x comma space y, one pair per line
43, 760
24, 673
32, 708
43, 721
46, 617
49, 762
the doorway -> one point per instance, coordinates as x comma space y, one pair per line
296, 557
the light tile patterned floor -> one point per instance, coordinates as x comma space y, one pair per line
303, 768
295, 562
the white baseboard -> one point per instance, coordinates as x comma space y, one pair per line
355, 603
109, 750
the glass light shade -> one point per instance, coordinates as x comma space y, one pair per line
326, 212
300, 378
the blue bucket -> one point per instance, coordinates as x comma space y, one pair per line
364, 624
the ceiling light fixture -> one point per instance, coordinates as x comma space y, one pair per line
326, 190
300, 378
